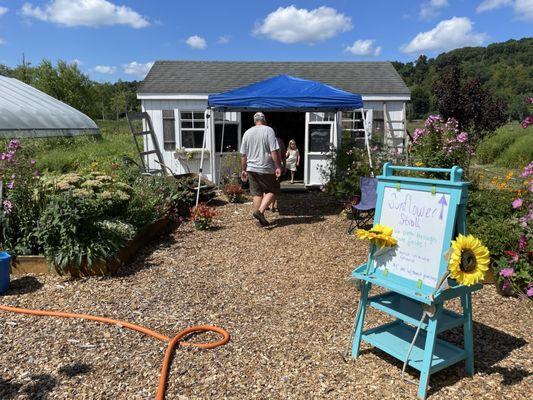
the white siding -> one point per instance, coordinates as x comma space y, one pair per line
154, 109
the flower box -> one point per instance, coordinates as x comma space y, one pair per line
39, 265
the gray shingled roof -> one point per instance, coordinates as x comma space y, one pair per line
207, 77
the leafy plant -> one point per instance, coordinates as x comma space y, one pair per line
73, 232
234, 192
202, 216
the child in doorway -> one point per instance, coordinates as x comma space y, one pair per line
293, 158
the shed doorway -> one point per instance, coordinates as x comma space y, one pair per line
287, 125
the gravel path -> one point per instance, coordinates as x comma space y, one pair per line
282, 295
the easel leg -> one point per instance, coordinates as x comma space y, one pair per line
431, 336
360, 319
466, 303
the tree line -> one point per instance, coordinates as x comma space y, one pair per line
66, 82
500, 71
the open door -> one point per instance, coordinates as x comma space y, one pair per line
320, 135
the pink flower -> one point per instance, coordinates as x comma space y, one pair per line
522, 243
33, 162
517, 203
14, 144
507, 273
528, 170
8, 207
462, 137
527, 121
11, 185
529, 291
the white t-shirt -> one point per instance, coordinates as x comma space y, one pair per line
258, 143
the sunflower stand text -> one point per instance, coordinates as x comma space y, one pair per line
426, 215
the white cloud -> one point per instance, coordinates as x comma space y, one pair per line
523, 9
293, 25
85, 13
105, 69
363, 48
196, 42
431, 8
487, 5
224, 39
3, 10
447, 35
138, 69
2, 41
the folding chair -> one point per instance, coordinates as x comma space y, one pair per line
363, 212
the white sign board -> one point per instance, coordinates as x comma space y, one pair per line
418, 219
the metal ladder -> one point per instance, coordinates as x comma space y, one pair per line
148, 135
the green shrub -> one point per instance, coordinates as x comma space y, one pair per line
510, 146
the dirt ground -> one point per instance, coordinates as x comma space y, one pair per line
281, 293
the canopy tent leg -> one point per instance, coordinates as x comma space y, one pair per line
367, 143
200, 168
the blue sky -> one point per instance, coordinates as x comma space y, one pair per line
112, 39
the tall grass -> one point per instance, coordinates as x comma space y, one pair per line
69, 154
510, 146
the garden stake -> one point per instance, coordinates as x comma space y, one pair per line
172, 342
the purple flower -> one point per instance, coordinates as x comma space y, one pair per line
522, 243
11, 185
418, 133
37, 173
529, 100
14, 144
8, 207
32, 162
462, 137
528, 170
507, 272
529, 291
527, 121
506, 285
517, 203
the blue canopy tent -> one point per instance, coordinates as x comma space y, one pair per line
286, 93
283, 93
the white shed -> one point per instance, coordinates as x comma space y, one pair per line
175, 93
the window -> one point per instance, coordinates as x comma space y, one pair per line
353, 129
231, 131
319, 138
169, 130
321, 117
192, 129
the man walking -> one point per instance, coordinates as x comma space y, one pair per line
261, 164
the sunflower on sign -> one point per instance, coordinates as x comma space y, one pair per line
380, 235
469, 260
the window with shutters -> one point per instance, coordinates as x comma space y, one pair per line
169, 130
192, 126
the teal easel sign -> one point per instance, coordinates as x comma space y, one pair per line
426, 215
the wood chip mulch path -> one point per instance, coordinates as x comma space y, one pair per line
281, 293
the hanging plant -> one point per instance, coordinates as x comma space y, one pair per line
469, 260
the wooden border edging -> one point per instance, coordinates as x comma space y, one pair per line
39, 265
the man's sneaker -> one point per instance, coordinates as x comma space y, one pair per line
258, 215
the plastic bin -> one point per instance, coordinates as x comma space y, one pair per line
5, 263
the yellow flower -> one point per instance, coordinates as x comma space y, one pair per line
469, 260
419, 164
509, 175
380, 235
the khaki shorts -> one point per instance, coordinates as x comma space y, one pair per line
263, 183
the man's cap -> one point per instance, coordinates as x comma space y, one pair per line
259, 116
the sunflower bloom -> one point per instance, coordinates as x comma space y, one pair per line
380, 235
469, 260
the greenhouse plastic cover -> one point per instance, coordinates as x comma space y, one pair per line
286, 93
28, 112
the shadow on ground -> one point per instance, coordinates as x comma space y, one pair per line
23, 285
490, 347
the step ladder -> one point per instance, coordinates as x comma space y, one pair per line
150, 149
395, 136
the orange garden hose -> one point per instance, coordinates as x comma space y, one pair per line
172, 342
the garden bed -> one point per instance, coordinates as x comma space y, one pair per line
39, 265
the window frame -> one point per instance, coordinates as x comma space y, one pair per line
227, 122
193, 128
